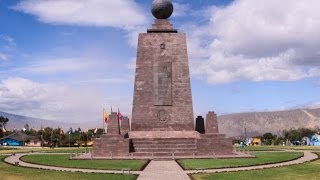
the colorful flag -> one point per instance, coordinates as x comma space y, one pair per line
120, 116
106, 117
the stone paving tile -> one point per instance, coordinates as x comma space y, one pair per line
163, 170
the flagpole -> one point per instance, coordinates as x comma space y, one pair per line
69, 140
103, 121
119, 121
60, 136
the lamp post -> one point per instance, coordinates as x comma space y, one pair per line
69, 140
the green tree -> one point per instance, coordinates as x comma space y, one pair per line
268, 138
3, 121
26, 127
46, 134
305, 132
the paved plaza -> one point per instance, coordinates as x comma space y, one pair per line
161, 169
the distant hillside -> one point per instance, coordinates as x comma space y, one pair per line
258, 123
18, 122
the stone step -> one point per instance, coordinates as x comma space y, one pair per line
165, 150
213, 135
162, 154
164, 139
164, 145
164, 142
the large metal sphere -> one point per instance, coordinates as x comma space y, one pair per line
162, 9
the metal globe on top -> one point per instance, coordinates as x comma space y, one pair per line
162, 9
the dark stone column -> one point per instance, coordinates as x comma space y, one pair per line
200, 125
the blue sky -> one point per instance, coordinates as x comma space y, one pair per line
67, 59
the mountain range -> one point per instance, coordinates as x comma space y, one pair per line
258, 123
18, 122
255, 123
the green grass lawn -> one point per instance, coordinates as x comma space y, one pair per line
261, 158
9, 172
62, 160
308, 171
311, 148
259, 148
278, 148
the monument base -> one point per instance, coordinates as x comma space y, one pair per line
110, 146
180, 143
173, 144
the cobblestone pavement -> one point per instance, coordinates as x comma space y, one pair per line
158, 170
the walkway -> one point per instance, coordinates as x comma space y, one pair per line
162, 169
168, 170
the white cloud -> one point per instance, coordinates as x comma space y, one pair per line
124, 14
180, 9
257, 41
9, 40
55, 101
119, 13
3, 57
58, 65
59, 101
114, 80
314, 105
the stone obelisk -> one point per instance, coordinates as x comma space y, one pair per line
162, 122
162, 94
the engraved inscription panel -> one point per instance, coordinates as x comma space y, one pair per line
162, 83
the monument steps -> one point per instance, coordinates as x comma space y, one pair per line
162, 143
170, 150
165, 146
162, 155
164, 140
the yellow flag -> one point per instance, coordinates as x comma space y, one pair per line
106, 117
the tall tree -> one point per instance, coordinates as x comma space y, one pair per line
3, 121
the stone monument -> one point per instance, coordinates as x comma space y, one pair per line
162, 92
162, 115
